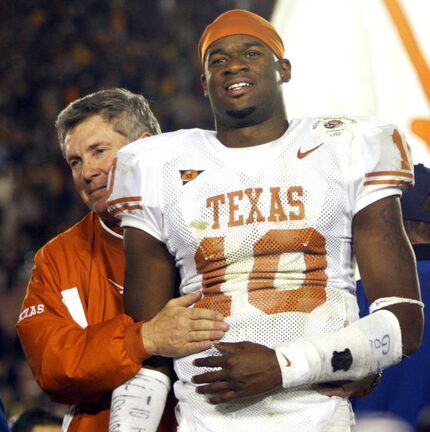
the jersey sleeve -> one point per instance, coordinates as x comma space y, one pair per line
383, 163
134, 184
70, 363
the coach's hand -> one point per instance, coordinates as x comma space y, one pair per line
247, 369
178, 330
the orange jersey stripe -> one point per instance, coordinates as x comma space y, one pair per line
388, 173
124, 200
390, 182
125, 208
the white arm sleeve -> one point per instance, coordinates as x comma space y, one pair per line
138, 404
367, 345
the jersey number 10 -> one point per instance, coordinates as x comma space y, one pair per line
212, 264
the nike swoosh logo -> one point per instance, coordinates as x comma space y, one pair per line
301, 154
287, 360
120, 287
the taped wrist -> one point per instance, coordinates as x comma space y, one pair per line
138, 404
366, 346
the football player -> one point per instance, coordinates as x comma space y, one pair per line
267, 216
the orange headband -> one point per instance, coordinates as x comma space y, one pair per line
237, 22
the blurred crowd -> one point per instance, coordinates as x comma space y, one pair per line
54, 51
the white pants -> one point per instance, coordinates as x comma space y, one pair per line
341, 420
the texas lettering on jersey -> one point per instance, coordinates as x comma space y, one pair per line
277, 209
31, 311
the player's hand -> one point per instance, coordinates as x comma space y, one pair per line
348, 388
247, 369
178, 330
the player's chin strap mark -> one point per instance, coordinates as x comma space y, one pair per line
389, 301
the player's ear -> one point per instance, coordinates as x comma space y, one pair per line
145, 134
204, 84
284, 69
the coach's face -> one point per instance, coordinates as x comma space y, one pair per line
90, 148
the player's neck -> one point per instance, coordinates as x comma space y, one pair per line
255, 135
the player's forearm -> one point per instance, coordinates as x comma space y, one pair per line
352, 353
411, 320
387, 266
364, 347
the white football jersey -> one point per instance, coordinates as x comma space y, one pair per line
265, 232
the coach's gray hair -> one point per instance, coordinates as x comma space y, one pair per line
129, 114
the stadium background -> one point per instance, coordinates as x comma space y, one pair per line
54, 51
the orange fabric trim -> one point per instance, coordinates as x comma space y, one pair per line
134, 344
385, 173
391, 182
124, 199
125, 208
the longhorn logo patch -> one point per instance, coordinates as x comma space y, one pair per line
189, 175
341, 360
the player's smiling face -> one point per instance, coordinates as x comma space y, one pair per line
90, 148
242, 80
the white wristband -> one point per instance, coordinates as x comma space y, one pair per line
389, 301
294, 364
366, 346
138, 404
